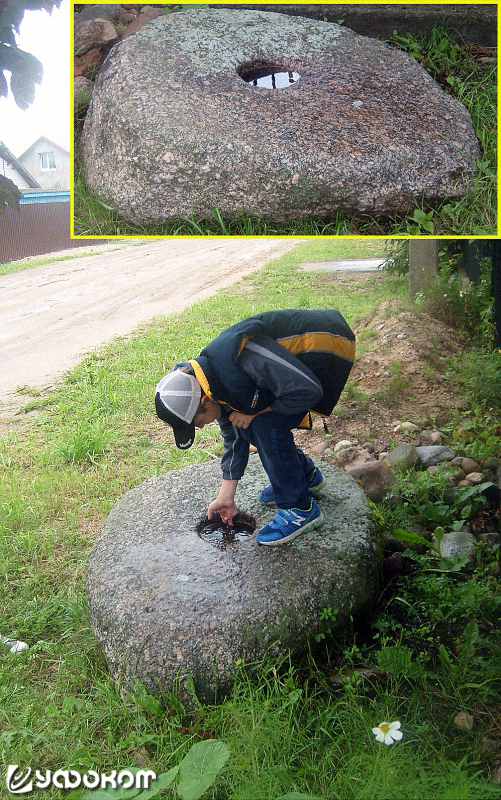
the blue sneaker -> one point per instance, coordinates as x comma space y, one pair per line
289, 523
315, 485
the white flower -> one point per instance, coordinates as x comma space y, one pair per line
388, 732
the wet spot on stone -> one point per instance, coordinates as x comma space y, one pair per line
221, 535
268, 76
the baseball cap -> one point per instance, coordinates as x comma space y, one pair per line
177, 397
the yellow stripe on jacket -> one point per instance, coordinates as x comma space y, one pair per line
320, 343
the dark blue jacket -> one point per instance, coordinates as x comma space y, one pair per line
321, 341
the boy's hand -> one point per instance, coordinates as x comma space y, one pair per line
224, 502
226, 509
241, 420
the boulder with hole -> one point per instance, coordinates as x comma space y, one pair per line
180, 122
168, 604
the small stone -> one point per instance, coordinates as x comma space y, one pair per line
320, 447
458, 474
464, 721
434, 454
88, 64
344, 443
362, 457
111, 12
13, 645
490, 539
469, 465
345, 456
462, 543
475, 477
376, 479
404, 456
406, 427
94, 33
463, 435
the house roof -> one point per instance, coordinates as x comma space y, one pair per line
7, 156
44, 139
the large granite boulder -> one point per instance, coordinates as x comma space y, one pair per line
174, 126
166, 602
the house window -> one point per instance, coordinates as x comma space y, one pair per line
47, 160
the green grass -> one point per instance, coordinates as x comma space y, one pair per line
472, 82
290, 727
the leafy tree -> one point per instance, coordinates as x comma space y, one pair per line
25, 71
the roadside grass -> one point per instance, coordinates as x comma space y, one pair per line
291, 727
454, 65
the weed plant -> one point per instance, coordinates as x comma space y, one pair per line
430, 650
466, 307
451, 62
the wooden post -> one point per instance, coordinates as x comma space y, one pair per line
423, 265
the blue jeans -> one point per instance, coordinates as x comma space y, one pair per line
287, 467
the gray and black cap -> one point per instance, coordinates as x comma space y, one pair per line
177, 397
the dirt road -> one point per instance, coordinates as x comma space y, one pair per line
51, 315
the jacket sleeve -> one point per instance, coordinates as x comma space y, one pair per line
236, 450
271, 366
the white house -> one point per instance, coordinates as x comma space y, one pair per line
11, 167
48, 163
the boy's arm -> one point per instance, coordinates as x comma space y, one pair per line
233, 463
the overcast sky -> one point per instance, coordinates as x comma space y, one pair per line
46, 36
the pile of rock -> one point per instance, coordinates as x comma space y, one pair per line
376, 473
97, 28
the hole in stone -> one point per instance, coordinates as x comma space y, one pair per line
217, 533
268, 76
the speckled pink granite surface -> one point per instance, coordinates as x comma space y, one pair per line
165, 603
172, 129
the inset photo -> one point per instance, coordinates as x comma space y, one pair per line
285, 120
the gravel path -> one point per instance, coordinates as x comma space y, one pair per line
51, 315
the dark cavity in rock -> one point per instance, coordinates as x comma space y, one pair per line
221, 535
268, 76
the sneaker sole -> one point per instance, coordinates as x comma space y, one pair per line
315, 490
308, 527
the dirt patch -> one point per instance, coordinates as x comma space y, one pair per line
401, 374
